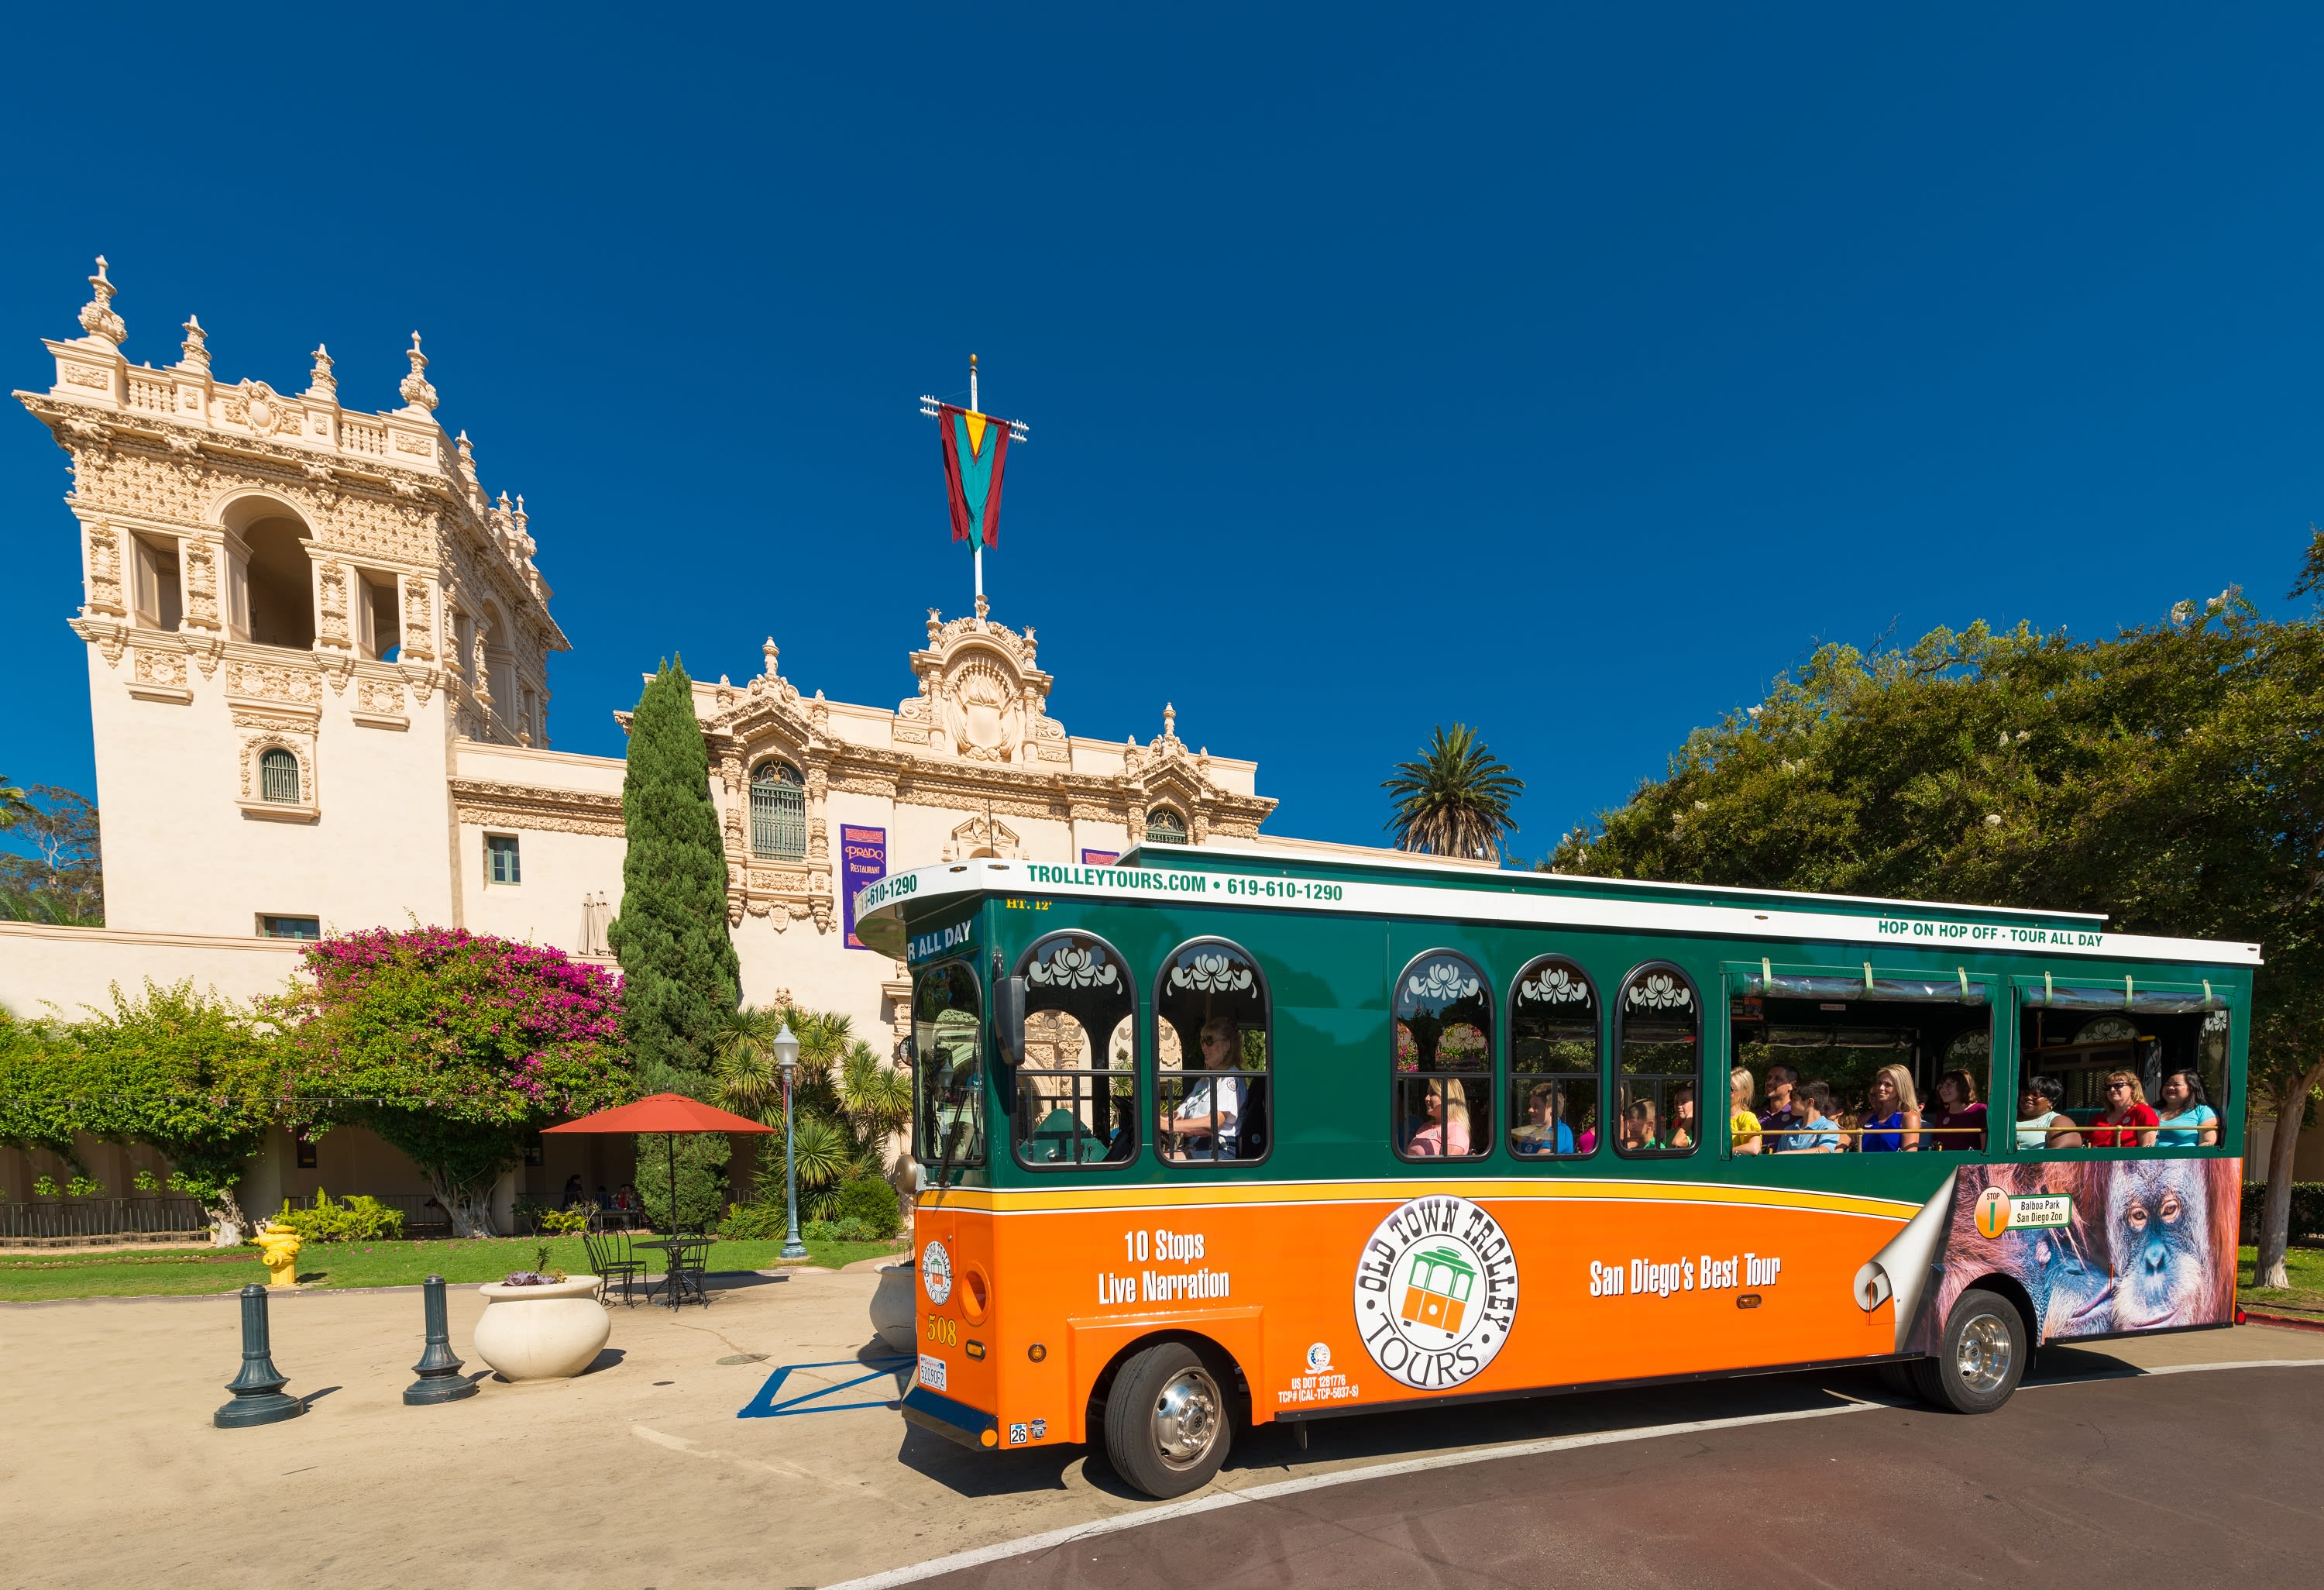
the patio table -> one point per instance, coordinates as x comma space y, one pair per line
679, 1251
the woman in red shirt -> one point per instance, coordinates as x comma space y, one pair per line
2129, 1120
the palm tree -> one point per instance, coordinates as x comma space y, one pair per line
1455, 801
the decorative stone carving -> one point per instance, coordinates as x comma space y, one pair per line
196, 347
104, 571
415, 388
485, 804
96, 316
275, 680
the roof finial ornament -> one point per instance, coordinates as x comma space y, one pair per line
323, 383
1169, 721
196, 347
467, 451
96, 316
771, 651
415, 388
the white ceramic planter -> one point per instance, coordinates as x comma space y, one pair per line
893, 1308
542, 1333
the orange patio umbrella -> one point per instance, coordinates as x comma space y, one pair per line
669, 1113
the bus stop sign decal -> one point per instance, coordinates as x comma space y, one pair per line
1437, 1292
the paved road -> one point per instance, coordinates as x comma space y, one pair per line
2169, 1480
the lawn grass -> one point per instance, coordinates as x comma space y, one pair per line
2306, 1293
177, 1272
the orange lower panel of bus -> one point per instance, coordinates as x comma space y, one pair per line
1333, 1297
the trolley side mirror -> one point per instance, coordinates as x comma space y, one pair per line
1009, 1019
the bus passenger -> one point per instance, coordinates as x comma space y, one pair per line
1682, 1125
2188, 1118
1892, 1113
1742, 1124
1446, 1131
2126, 1113
1814, 1112
1782, 1080
2041, 1124
1544, 1131
1203, 1125
1638, 1130
1960, 1118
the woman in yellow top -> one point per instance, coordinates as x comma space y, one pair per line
1742, 1125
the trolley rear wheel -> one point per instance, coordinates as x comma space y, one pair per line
1980, 1358
1166, 1426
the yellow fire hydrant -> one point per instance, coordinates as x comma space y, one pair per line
278, 1246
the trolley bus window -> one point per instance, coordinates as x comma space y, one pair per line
1660, 1051
1887, 1064
947, 1033
1212, 1055
1442, 1060
2132, 1068
1552, 1060
1077, 1090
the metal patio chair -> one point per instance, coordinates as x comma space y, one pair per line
610, 1256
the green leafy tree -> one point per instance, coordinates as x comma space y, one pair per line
2170, 776
679, 970
454, 1048
51, 872
844, 1103
196, 1079
1454, 799
40, 1081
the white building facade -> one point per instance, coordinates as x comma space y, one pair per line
318, 670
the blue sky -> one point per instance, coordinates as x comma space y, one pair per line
1565, 374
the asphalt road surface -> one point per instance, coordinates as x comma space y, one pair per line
2170, 1480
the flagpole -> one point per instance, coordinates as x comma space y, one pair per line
977, 542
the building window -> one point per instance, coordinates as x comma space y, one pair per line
278, 777
305, 1147
500, 859
777, 812
289, 927
1442, 1059
1165, 826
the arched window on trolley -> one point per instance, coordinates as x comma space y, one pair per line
1214, 1055
1077, 1084
1658, 1063
1552, 1061
1442, 1059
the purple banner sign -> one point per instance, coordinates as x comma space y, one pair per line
863, 862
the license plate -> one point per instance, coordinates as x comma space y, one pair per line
932, 1371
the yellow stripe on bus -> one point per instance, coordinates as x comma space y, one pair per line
1176, 1195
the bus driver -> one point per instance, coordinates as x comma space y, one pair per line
1203, 1125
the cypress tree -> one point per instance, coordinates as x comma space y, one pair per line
679, 970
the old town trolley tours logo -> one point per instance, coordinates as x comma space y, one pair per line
1437, 1292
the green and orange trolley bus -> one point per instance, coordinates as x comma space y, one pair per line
1218, 1136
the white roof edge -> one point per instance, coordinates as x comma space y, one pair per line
1460, 869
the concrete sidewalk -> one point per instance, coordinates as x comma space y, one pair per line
638, 1472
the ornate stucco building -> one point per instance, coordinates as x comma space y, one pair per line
317, 649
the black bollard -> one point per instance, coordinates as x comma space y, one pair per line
439, 1372
257, 1391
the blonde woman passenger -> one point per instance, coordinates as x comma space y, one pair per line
1892, 1113
1446, 1132
1742, 1122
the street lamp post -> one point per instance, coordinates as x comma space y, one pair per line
787, 1048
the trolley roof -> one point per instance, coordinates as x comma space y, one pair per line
1256, 876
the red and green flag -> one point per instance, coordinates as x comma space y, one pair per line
974, 447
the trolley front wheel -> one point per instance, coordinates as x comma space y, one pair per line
1165, 1421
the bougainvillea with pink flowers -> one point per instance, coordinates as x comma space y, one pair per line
454, 1047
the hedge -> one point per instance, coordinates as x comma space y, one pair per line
2306, 1208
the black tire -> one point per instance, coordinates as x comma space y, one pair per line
1980, 1358
1898, 1378
1167, 1424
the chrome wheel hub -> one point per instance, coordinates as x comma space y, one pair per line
1983, 1357
1186, 1418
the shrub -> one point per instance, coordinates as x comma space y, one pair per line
871, 1202
756, 1223
84, 1187
566, 1222
361, 1219
2306, 1208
